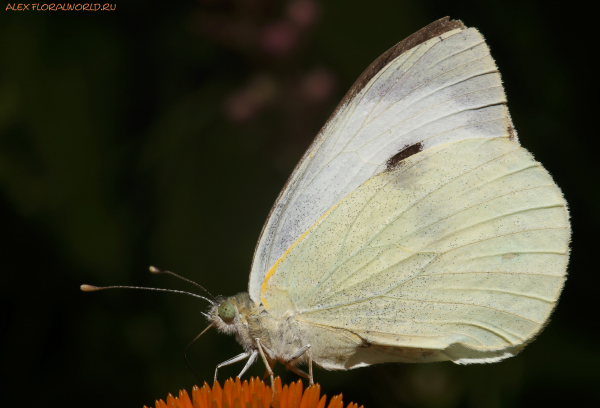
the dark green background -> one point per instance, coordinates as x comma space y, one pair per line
118, 151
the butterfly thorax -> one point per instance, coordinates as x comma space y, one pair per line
280, 337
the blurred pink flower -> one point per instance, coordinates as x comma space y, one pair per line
303, 12
245, 104
318, 85
279, 38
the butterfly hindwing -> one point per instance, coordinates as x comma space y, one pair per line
463, 245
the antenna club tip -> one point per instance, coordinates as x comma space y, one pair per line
154, 269
89, 288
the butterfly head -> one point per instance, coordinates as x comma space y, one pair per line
230, 315
227, 311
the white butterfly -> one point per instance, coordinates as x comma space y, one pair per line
414, 229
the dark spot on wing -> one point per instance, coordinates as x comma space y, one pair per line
511, 133
407, 151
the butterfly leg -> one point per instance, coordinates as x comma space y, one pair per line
311, 380
296, 356
271, 364
249, 363
231, 361
267, 364
298, 371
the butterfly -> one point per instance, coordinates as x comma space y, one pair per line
414, 229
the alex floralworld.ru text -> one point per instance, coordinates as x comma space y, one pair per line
61, 7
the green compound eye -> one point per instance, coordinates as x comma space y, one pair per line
226, 311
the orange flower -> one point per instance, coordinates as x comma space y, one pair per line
255, 393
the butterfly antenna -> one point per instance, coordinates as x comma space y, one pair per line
154, 269
188, 346
90, 288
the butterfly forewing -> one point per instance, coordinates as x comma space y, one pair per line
444, 89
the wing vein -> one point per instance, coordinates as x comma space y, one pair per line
490, 328
509, 292
493, 219
512, 233
436, 77
443, 117
463, 304
491, 272
468, 208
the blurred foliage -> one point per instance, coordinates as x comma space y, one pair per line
160, 134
